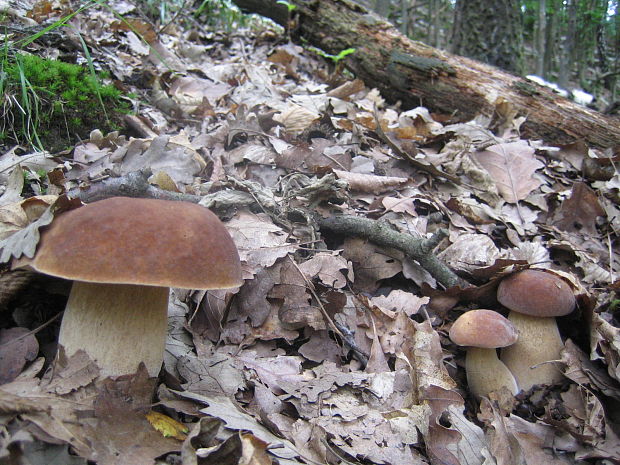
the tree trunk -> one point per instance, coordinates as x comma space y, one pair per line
490, 32
567, 56
551, 39
417, 74
541, 35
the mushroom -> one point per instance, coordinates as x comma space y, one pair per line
483, 331
535, 298
123, 255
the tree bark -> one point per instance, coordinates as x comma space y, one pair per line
541, 35
417, 74
491, 32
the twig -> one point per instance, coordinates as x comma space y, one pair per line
134, 184
382, 234
348, 338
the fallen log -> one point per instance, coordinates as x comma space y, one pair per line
416, 74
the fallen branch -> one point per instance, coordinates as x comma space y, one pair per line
134, 184
379, 232
137, 185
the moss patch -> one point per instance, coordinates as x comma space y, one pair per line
50, 104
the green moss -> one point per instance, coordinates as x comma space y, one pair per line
50, 104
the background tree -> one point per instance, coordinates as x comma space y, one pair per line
491, 32
541, 38
574, 42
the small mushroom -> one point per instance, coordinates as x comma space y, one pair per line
123, 255
535, 298
483, 331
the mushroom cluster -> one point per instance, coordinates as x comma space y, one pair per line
123, 255
529, 337
483, 331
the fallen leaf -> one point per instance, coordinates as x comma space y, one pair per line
17, 346
512, 166
579, 212
327, 267
236, 419
296, 118
371, 263
168, 427
24, 242
173, 155
259, 241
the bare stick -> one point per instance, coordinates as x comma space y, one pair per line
136, 185
382, 234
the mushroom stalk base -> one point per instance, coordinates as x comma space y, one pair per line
486, 373
539, 342
117, 325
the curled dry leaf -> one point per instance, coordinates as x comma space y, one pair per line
16, 216
470, 252
296, 118
371, 263
605, 345
369, 182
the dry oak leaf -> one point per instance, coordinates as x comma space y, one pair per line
24, 241
469, 252
327, 266
211, 373
296, 310
318, 155
579, 212
174, 155
296, 118
259, 241
224, 408
605, 340
512, 166
16, 216
398, 301
371, 263
514, 441
400, 205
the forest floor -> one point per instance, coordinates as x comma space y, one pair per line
336, 348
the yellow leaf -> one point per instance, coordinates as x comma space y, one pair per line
167, 426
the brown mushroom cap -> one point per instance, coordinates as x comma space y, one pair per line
148, 242
483, 328
536, 293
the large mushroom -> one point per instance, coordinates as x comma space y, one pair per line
483, 331
123, 255
535, 298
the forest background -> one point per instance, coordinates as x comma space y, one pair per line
574, 43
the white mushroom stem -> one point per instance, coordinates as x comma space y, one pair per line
117, 325
486, 373
539, 342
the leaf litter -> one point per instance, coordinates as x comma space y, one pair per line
335, 349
